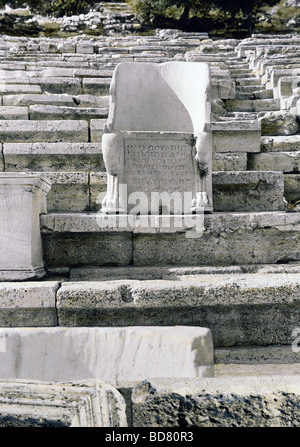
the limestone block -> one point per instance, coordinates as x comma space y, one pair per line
66, 47
23, 199
287, 84
248, 191
17, 89
275, 161
292, 187
226, 242
231, 161
233, 305
223, 402
1, 158
58, 85
89, 403
52, 156
280, 143
44, 98
92, 101
110, 354
96, 86
279, 123
13, 113
85, 47
97, 130
37, 131
69, 191
92, 73
150, 272
84, 248
28, 304
14, 77
98, 185
47, 112
277, 74
236, 136
256, 105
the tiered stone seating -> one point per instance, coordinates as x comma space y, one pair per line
240, 279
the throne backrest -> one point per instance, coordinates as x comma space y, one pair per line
167, 97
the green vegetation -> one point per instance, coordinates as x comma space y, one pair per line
200, 14
57, 8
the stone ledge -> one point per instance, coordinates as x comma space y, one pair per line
240, 309
216, 222
224, 402
28, 303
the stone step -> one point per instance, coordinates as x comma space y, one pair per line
81, 239
58, 85
244, 191
52, 157
47, 112
256, 105
17, 89
14, 113
247, 81
217, 402
244, 311
288, 143
236, 136
265, 360
248, 88
53, 99
279, 123
83, 190
288, 162
19, 131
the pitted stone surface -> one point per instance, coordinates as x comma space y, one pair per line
224, 402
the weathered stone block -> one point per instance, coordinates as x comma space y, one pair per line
16, 89
67, 248
52, 156
44, 98
280, 143
40, 112
271, 237
69, 191
279, 123
275, 161
224, 402
28, 304
292, 187
231, 161
96, 86
97, 130
98, 185
58, 85
248, 191
235, 306
37, 131
15, 113
236, 136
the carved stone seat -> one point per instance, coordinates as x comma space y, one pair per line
157, 144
